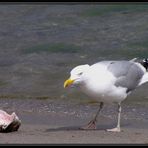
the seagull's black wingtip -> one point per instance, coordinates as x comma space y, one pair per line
145, 63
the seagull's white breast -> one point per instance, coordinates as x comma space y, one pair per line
99, 84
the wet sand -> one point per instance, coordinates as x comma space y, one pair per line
46, 134
61, 124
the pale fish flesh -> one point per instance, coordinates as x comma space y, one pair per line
9, 123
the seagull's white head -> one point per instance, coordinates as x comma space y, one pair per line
76, 75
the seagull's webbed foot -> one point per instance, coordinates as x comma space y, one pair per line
90, 126
116, 129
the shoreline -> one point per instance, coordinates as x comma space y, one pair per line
51, 122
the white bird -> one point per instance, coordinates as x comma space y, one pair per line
109, 81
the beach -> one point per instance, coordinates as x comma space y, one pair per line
40, 44
43, 122
45, 134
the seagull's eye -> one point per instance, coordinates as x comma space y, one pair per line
80, 73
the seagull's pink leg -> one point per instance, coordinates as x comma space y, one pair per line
92, 123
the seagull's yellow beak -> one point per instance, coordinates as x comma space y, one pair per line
68, 82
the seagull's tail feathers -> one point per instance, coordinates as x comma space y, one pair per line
144, 79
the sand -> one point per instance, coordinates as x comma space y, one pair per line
57, 127
46, 134
42, 134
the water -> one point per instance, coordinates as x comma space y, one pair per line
40, 44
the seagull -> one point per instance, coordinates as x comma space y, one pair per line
108, 82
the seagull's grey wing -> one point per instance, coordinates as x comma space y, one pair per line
128, 74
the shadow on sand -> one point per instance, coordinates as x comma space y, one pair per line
78, 128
